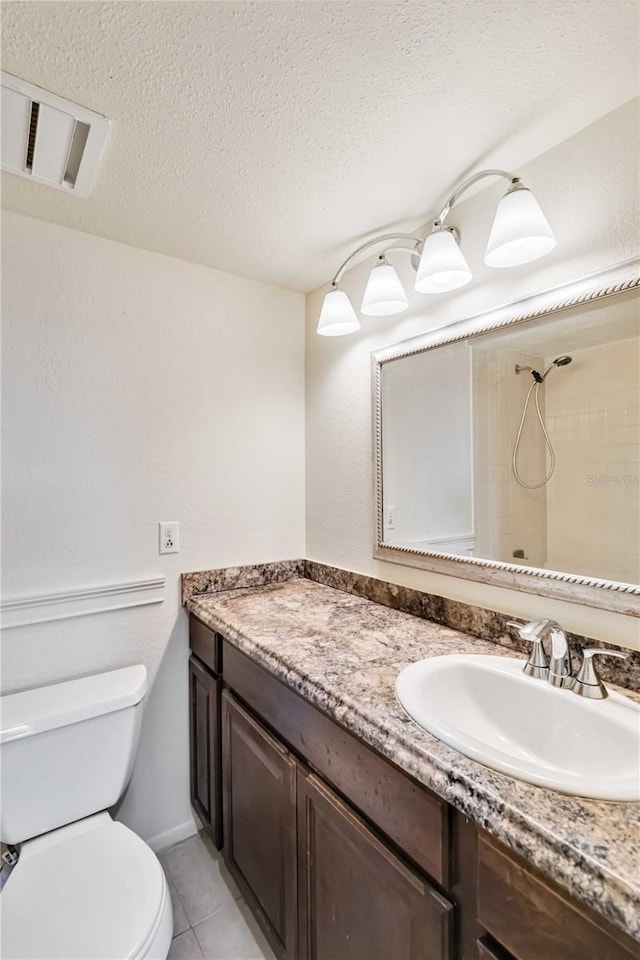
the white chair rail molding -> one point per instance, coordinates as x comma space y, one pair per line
520, 234
81, 601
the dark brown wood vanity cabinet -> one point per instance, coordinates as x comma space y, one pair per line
205, 688
341, 855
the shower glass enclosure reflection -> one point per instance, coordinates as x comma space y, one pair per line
521, 445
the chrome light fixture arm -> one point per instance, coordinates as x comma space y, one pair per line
417, 241
383, 238
467, 184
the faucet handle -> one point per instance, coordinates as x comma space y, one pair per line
587, 682
537, 665
532, 630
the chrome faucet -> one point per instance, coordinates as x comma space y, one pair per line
560, 674
557, 669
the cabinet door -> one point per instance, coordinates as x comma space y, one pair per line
357, 900
204, 731
259, 790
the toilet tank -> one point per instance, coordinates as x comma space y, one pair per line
67, 751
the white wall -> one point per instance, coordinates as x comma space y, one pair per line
140, 388
588, 187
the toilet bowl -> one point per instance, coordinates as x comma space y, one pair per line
85, 886
92, 889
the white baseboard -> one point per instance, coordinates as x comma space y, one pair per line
162, 841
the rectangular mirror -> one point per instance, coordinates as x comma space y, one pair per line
507, 447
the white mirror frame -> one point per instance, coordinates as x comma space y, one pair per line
605, 594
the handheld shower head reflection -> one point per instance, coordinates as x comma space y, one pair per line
561, 361
534, 389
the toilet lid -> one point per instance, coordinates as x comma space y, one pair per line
90, 890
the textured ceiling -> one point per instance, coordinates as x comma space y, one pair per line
266, 138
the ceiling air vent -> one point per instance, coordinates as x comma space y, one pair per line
48, 139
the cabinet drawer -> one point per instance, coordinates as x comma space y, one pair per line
487, 951
206, 644
411, 816
531, 919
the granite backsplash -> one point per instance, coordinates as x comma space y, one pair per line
467, 618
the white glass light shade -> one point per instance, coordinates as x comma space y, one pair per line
442, 264
384, 294
337, 317
520, 232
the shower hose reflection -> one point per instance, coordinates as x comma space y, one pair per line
534, 389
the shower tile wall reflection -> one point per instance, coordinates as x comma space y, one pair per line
510, 521
594, 498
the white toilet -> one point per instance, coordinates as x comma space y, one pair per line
85, 886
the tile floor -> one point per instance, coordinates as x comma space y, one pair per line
211, 920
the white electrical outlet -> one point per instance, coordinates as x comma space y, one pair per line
168, 536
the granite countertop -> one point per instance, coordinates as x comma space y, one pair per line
343, 654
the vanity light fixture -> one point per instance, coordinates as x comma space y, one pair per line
442, 265
384, 294
337, 316
520, 234
520, 231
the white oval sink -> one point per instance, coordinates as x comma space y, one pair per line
490, 711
